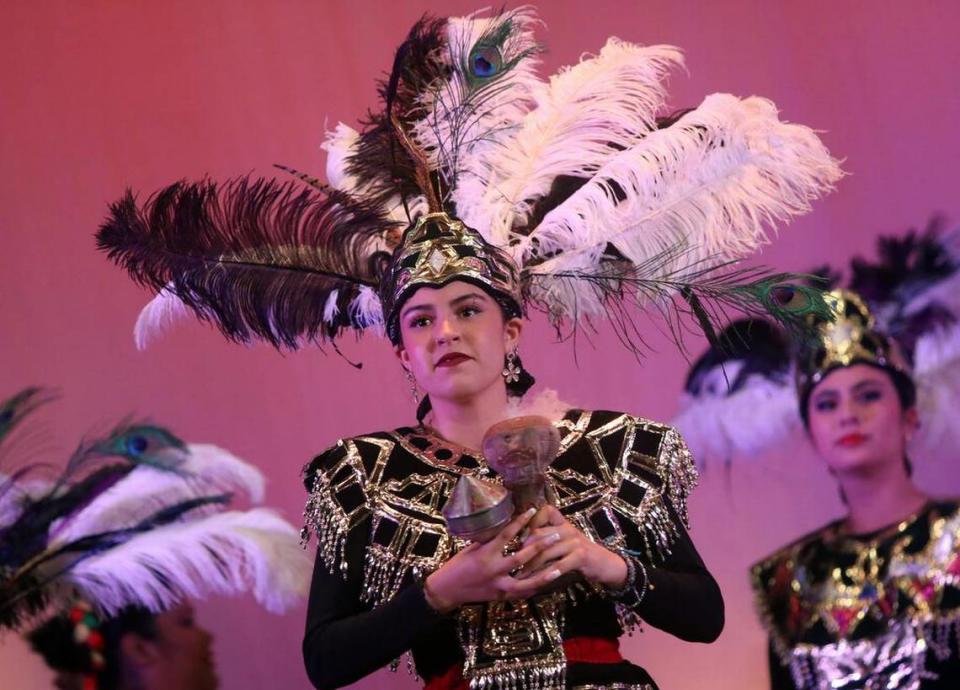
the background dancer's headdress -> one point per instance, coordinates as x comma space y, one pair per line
851, 337
80, 643
574, 195
899, 313
136, 517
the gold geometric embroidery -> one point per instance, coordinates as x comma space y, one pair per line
880, 601
617, 480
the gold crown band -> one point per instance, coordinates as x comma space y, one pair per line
437, 250
851, 338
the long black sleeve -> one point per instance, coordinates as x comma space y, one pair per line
683, 599
343, 641
780, 678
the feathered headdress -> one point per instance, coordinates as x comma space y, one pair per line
574, 195
138, 517
899, 312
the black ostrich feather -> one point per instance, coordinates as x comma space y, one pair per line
258, 258
380, 164
906, 266
760, 345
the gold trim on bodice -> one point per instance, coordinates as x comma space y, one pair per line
622, 480
844, 610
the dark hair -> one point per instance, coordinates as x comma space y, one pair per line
906, 391
54, 641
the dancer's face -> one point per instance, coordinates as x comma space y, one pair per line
454, 340
856, 421
179, 656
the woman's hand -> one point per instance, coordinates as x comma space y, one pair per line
568, 549
481, 572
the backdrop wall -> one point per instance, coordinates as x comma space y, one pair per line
98, 96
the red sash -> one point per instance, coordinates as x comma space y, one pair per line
583, 650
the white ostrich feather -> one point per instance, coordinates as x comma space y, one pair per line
330, 308
339, 145
715, 178
366, 309
225, 553
158, 316
937, 377
713, 182
205, 470
583, 116
16, 494
461, 117
719, 428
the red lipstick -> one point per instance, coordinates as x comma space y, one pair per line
852, 440
451, 359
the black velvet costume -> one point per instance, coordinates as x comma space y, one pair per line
375, 507
879, 610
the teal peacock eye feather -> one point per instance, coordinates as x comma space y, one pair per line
790, 298
790, 302
800, 300
485, 62
141, 444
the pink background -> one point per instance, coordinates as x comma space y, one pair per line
98, 96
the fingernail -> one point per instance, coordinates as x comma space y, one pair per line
553, 575
553, 538
531, 512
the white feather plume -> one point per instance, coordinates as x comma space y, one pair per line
937, 377
366, 309
225, 553
205, 470
719, 428
714, 181
330, 308
15, 494
340, 144
460, 118
158, 316
583, 116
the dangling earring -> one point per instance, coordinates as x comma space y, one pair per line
413, 385
511, 370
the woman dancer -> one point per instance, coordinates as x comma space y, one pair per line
390, 578
868, 600
478, 192
871, 599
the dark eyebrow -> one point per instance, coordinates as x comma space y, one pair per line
469, 295
416, 307
453, 302
856, 387
868, 382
